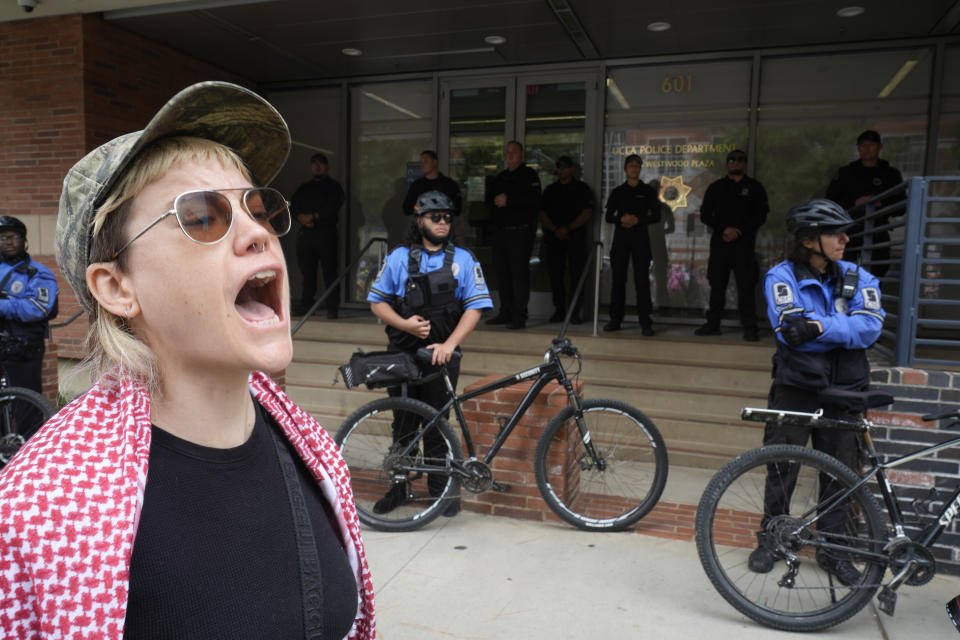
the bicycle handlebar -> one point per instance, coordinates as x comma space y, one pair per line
425, 355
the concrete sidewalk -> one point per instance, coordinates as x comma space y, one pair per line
478, 577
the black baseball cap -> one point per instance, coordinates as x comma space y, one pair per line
869, 136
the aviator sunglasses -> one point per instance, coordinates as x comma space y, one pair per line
206, 216
437, 216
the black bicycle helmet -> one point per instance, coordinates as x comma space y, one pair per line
818, 216
9, 223
432, 201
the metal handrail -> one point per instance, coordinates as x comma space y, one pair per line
915, 301
336, 283
57, 325
576, 295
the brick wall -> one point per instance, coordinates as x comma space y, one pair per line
514, 463
68, 84
918, 393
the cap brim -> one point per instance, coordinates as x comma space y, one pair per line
226, 113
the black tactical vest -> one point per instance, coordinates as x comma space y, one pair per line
431, 295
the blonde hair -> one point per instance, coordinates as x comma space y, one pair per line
111, 342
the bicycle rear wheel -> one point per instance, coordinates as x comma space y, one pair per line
396, 490
22, 412
729, 518
610, 494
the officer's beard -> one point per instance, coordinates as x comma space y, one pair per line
432, 237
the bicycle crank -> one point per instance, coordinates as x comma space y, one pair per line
479, 476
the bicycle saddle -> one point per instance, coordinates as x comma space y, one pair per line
854, 400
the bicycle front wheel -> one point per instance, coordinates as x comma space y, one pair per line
22, 412
801, 592
398, 487
616, 488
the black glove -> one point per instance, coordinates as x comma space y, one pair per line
797, 330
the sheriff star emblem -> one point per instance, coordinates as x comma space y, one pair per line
673, 192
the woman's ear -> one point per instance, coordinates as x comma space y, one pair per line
112, 289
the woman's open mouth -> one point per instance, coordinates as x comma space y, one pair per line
259, 299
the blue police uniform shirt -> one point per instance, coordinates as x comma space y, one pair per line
847, 324
28, 298
472, 291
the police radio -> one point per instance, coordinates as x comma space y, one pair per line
417, 290
846, 287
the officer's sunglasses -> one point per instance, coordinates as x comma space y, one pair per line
436, 217
206, 216
736, 158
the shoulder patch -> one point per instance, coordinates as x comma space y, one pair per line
782, 294
871, 298
43, 295
478, 280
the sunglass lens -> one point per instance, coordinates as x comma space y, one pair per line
269, 208
437, 217
204, 215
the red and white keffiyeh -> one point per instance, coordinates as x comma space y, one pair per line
70, 504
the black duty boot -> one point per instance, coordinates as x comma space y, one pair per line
762, 558
397, 495
841, 568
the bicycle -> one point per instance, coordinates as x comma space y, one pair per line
601, 465
22, 412
830, 517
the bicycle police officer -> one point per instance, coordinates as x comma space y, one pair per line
430, 293
28, 300
825, 313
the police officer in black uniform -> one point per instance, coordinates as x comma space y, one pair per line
316, 204
565, 210
28, 300
858, 182
432, 180
734, 207
631, 207
430, 293
514, 200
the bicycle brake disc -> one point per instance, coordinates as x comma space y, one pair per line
9, 445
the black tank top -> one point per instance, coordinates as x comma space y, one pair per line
215, 553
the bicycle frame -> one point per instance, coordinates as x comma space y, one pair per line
542, 375
928, 536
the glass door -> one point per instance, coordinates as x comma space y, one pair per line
550, 115
477, 117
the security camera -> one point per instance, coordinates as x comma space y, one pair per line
27, 5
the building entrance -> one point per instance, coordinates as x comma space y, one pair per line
551, 116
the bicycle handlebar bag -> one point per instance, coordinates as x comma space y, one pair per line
379, 369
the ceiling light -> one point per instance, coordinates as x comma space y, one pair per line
350, 51
494, 39
850, 12
658, 26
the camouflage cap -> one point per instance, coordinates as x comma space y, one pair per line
219, 111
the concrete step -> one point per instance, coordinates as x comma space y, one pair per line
692, 388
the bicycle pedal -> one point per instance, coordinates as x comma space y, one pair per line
888, 600
500, 487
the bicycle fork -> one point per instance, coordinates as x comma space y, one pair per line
574, 400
